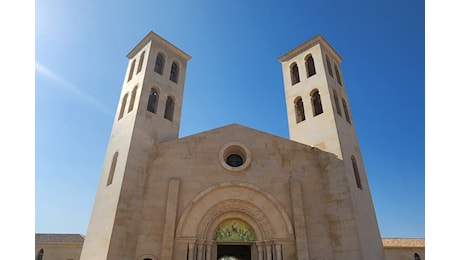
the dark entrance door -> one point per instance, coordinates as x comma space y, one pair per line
233, 252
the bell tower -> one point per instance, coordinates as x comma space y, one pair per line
319, 115
316, 100
148, 113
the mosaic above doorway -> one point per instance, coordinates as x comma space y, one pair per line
234, 230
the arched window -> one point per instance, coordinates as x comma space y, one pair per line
169, 109
294, 74
112, 168
356, 172
299, 110
159, 64
316, 103
345, 109
40, 254
133, 98
329, 68
174, 72
131, 70
153, 101
417, 257
337, 104
141, 62
123, 105
310, 65
337, 74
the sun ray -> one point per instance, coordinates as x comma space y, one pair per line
49, 74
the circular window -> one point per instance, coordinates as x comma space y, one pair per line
234, 160
234, 156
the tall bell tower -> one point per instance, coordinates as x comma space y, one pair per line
316, 100
319, 115
148, 112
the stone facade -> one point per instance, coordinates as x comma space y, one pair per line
233, 191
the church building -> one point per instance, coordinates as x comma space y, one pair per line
233, 192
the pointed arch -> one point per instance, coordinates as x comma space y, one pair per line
356, 173
169, 108
417, 257
294, 73
310, 66
133, 99
299, 110
316, 102
123, 105
159, 64
174, 75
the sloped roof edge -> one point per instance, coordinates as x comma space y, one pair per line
59, 238
236, 125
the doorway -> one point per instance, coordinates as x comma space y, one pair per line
233, 252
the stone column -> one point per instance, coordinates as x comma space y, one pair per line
191, 251
279, 255
268, 249
260, 251
208, 250
200, 251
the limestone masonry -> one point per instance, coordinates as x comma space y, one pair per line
233, 192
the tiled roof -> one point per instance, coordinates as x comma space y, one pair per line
403, 242
59, 238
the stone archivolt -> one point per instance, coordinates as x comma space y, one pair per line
227, 200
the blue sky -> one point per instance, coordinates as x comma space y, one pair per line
233, 77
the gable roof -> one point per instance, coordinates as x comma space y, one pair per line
237, 132
235, 128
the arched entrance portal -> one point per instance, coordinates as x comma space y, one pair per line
233, 221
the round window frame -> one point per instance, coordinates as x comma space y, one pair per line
235, 148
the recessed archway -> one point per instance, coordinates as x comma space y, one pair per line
210, 210
234, 199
